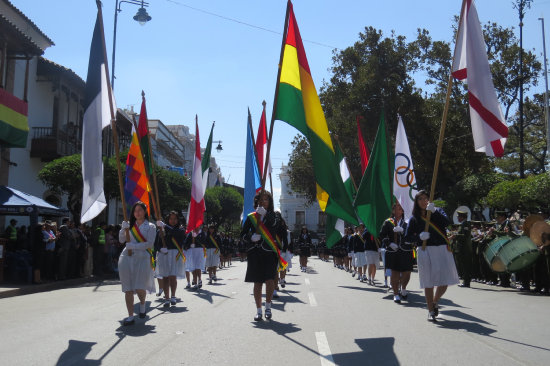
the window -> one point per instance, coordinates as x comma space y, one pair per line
300, 217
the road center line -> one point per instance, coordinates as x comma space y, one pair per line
324, 350
312, 300
307, 281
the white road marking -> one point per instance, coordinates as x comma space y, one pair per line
312, 300
324, 350
307, 281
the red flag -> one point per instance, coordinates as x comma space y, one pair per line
195, 216
363, 149
261, 145
143, 136
472, 66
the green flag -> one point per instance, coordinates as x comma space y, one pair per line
334, 225
205, 162
374, 196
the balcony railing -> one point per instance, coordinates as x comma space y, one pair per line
49, 143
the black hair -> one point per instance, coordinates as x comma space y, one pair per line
417, 211
172, 213
259, 195
132, 217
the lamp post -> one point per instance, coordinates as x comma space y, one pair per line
219, 148
141, 17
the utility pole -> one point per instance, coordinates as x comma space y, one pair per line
521, 5
546, 119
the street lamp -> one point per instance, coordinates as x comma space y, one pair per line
219, 148
141, 17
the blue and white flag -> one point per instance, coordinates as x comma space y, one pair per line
404, 180
252, 182
97, 116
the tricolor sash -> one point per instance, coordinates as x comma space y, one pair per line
268, 238
138, 236
213, 240
180, 252
439, 232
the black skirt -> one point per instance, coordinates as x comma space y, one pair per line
262, 265
305, 251
399, 261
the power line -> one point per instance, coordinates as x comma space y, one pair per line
244, 23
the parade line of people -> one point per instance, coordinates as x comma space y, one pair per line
265, 244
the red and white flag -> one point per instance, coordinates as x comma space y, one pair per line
195, 215
471, 65
363, 149
261, 145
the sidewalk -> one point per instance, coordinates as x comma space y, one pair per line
18, 289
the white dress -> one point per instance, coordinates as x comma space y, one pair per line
135, 271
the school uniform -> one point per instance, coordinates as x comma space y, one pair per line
212, 252
400, 259
171, 263
135, 270
195, 251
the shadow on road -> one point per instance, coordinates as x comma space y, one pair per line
76, 353
208, 296
459, 314
283, 329
370, 289
378, 351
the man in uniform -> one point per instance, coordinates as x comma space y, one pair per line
464, 248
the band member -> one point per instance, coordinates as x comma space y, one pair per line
304, 243
212, 245
463, 242
436, 266
134, 264
170, 258
259, 231
196, 252
399, 257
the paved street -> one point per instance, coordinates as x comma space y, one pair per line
322, 316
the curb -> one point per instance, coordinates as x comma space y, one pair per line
51, 286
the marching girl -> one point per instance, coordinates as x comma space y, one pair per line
399, 258
212, 245
286, 253
359, 257
196, 253
171, 259
371, 252
436, 266
134, 264
259, 231
304, 243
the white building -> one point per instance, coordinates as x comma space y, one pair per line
295, 209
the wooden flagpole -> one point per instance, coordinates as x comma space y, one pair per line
442, 131
276, 94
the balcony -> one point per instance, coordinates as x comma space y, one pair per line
48, 143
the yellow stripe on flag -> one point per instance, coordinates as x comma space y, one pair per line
15, 119
290, 71
322, 197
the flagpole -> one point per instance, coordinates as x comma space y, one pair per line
347, 165
442, 131
276, 93
388, 144
156, 195
267, 162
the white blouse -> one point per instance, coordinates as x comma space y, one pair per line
147, 229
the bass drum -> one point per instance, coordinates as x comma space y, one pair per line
491, 253
520, 253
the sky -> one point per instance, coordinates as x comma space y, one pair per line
217, 58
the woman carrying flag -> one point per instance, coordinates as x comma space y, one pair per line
399, 257
436, 266
135, 264
264, 259
171, 258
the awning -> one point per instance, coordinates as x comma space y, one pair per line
17, 203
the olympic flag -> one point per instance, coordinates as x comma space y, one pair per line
404, 181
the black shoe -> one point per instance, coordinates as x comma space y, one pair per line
275, 296
268, 314
128, 322
142, 315
464, 285
436, 309
432, 317
283, 285
166, 303
258, 317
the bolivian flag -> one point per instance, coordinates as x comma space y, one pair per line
298, 104
14, 126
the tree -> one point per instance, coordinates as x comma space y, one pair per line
535, 192
224, 207
174, 190
505, 194
472, 190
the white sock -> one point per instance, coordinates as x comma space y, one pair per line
141, 308
267, 305
259, 311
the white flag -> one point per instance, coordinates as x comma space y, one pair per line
404, 180
471, 65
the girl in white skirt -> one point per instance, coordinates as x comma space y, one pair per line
170, 262
436, 266
195, 247
213, 242
134, 263
359, 256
